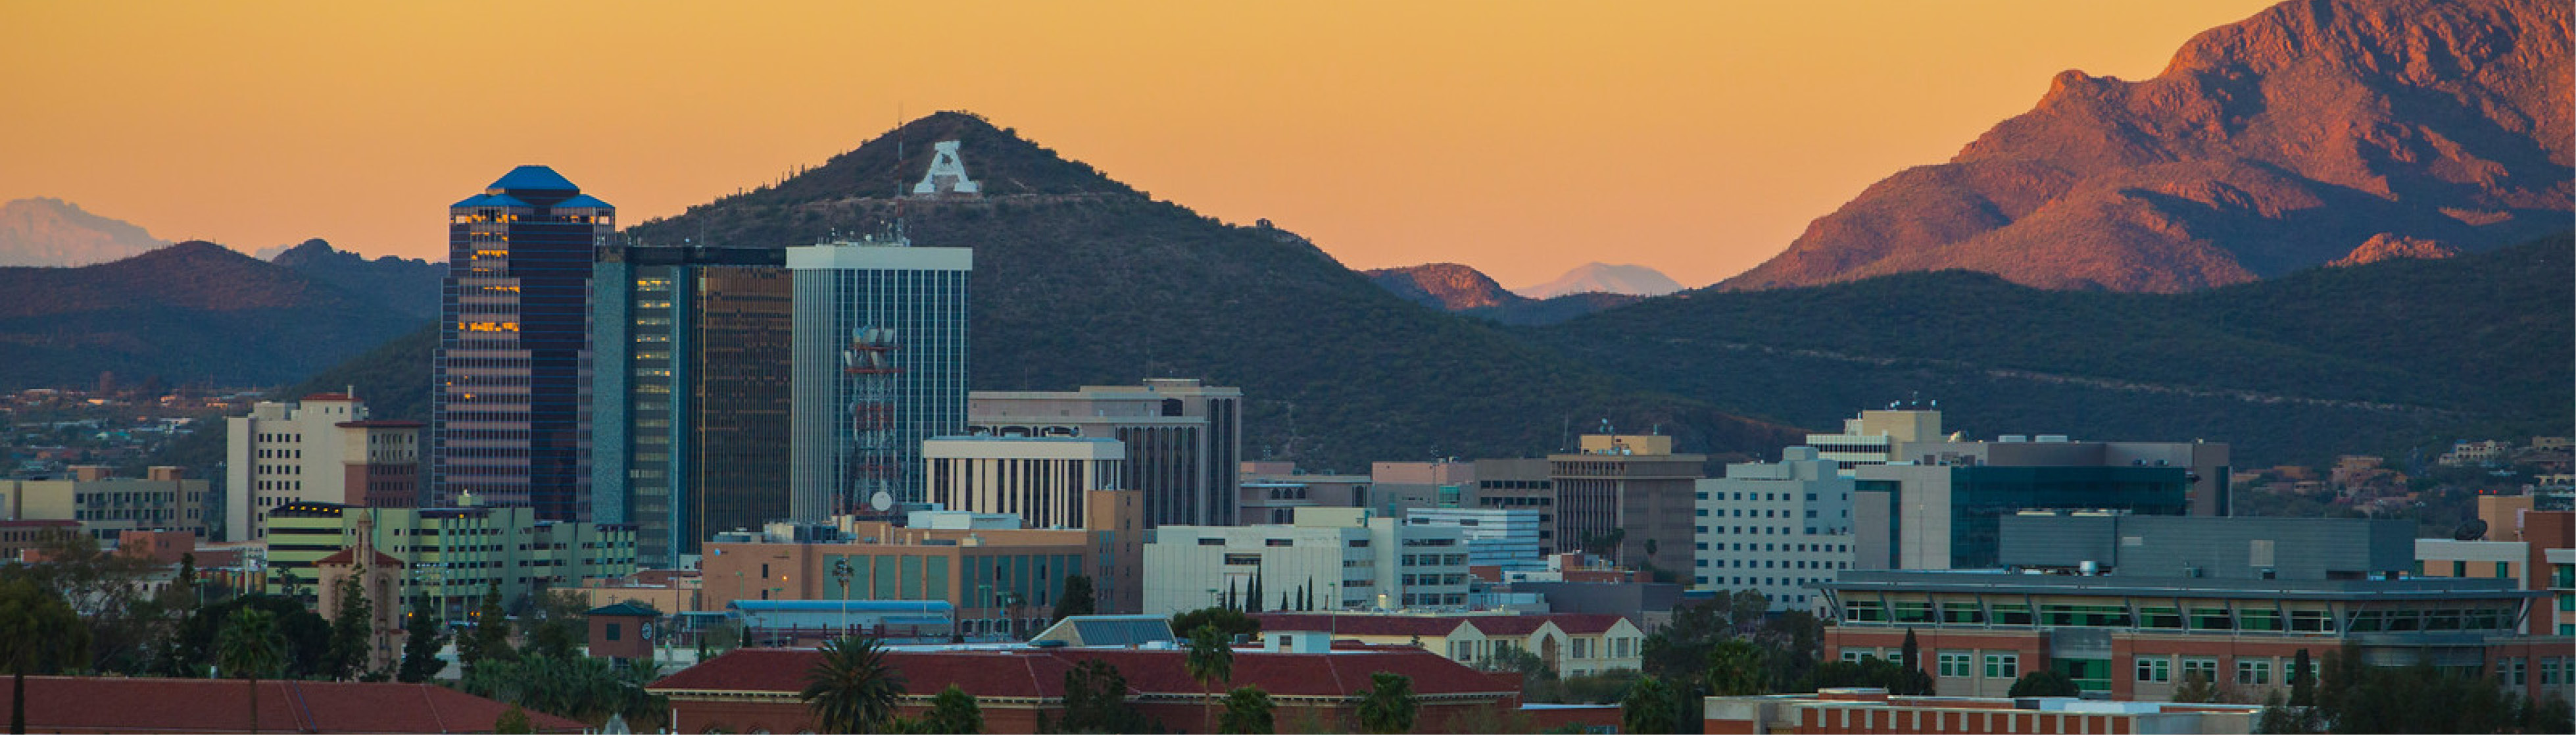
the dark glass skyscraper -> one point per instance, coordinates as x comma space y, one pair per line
689, 393
508, 404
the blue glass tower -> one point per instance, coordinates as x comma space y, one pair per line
509, 417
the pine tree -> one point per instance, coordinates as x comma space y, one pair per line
420, 659
352, 625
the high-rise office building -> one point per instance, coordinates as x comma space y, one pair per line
508, 391
688, 405
1184, 440
324, 449
879, 365
1631, 490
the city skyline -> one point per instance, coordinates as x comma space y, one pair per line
1523, 141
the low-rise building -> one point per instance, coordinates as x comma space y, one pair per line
1271, 493
1568, 644
1041, 479
1504, 539
1000, 581
1773, 528
1521, 484
1875, 711
1329, 559
1938, 507
453, 555
1878, 436
758, 690
107, 506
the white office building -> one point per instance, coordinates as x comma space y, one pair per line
1339, 558
1039, 478
1773, 528
1495, 537
321, 450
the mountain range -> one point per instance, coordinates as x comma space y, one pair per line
190, 312
1630, 280
1460, 289
45, 231
405, 285
2266, 146
1972, 282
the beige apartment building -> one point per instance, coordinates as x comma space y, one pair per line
106, 506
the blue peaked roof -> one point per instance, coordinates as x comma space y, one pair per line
584, 200
490, 200
536, 178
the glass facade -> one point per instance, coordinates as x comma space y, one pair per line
508, 402
1980, 496
880, 364
690, 403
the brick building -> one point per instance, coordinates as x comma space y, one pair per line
755, 690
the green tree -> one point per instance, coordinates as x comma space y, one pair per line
852, 690
1231, 622
1735, 669
2195, 688
1389, 706
423, 635
352, 628
2303, 681
489, 640
1078, 598
953, 712
1210, 660
39, 633
1247, 712
513, 720
250, 647
1095, 700
1910, 655
1650, 707
2044, 683
308, 636
557, 624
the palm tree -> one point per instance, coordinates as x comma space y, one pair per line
1210, 659
1649, 707
248, 647
1389, 705
38, 632
852, 689
1247, 712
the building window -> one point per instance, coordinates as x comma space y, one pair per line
1956, 663
2003, 666
2253, 673
2157, 670
2511, 671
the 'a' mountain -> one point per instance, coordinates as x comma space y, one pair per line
2284, 141
1080, 279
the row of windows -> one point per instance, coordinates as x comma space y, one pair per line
1766, 513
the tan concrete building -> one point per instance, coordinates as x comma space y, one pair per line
321, 450
106, 507
1632, 486
992, 576
1271, 493
1183, 440
1041, 479
1875, 437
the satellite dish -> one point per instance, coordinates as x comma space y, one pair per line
882, 501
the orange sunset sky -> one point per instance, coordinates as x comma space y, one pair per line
1520, 138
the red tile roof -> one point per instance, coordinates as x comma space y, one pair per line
981, 673
97, 704
344, 555
1571, 623
1040, 672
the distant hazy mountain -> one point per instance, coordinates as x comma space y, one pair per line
49, 231
1633, 280
194, 311
2267, 146
406, 286
1459, 289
